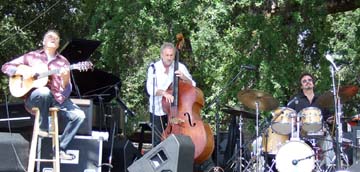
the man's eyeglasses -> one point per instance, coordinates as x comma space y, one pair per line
308, 80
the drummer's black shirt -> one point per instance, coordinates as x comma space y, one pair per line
300, 101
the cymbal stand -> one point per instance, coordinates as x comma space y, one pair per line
257, 135
216, 100
240, 143
264, 129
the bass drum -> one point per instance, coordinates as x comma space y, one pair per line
272, 142
295, 156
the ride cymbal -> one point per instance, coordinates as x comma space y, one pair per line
345, 93
250, 97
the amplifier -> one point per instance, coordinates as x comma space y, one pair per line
86, 127
356, 143
87, 149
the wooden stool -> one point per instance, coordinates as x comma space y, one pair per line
53, 132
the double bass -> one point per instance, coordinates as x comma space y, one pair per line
184, 116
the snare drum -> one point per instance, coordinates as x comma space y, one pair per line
311, 119
295, 156
274, 141
281, 122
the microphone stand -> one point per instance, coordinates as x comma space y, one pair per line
75, 85
109, 164
153, 109
216, 100
338, 114
127, 111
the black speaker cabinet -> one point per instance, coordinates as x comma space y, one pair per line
87, 149
86, 127
14, 152
174, 154
356, 142
123, 154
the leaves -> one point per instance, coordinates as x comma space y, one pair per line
283, 40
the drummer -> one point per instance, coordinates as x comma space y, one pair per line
307, 97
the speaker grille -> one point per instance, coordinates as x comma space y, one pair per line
175, 154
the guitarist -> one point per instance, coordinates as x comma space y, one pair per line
55, 92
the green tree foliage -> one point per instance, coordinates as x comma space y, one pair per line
282, 38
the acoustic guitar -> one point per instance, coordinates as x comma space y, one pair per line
20, 86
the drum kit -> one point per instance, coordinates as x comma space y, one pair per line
292, 139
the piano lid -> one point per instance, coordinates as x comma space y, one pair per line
78, 50
94, 84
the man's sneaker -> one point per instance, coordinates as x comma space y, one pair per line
65, 156
43, 133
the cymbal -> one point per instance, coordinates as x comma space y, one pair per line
355, 118
345, 93
331, 119
238, 112
250, 97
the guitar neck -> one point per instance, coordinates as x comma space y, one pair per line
51, 72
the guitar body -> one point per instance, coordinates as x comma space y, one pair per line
19, 86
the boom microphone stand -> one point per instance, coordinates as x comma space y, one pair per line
216, 101
338, 113
127, 112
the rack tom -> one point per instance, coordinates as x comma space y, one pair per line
311, 119
281, 121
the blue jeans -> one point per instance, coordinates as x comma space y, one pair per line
43, 99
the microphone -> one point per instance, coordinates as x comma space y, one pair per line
330, 58
152, 64
292, 101
295, 162
249, 67
116, 90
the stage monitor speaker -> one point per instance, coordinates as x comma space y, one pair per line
174, 154
353, 168
86, 127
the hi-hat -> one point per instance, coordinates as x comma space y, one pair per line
250, 97
345, 93
238, 112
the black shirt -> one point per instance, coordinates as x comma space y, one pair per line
300, 101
